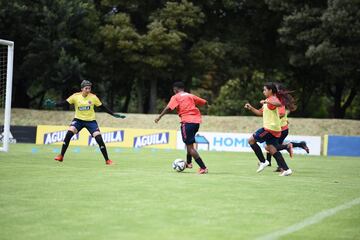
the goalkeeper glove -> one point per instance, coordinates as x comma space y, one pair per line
118, 115
48, 103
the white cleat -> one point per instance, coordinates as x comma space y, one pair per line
262, 166
286, 173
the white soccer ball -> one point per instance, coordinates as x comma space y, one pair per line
179, 165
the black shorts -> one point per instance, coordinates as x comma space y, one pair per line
261, 135
188, 132
91, 126
284, 134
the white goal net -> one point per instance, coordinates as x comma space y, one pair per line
6, 70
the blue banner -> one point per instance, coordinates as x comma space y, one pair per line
343, 146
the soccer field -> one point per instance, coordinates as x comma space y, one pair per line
141, 197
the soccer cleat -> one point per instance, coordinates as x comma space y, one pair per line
262, 166
189, 165
278, 169
305, 147
59, 158
290, 149
108, 162
203, 171
286, 173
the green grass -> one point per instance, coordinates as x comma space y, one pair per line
141, 197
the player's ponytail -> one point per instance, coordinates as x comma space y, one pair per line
285, 97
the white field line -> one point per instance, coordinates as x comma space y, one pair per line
310, 221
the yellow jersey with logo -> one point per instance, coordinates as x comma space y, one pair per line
271, 119
84, 106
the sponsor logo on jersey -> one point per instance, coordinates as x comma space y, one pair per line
108, 137
58, 136
153, 139
84, 108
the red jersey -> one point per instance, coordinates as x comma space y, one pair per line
185, 104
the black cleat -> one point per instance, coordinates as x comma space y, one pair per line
305, 147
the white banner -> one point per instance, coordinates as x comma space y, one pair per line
238, 142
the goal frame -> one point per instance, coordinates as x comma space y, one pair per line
8, 92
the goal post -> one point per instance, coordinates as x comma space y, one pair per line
6, 76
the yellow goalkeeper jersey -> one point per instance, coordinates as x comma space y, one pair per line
84, 106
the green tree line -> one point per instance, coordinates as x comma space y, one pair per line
223, 50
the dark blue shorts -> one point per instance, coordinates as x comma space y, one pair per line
284, 134
188, 131
261, 135
91, 126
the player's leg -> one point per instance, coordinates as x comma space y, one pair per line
279, 159
196, 156
271, 143
288, 147
189, 131
100, 142
284, 134
281, 146
74, 128
257, 137
268, 158
94, 130
188, 159
302, 145
291, 145
188, 154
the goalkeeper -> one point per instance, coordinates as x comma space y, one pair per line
84, 103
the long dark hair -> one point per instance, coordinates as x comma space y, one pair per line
271, 86
285, 97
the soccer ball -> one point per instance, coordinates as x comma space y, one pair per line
179, 165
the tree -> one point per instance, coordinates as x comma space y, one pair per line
236, 92
157, 53
321, 41
338, 52
54, 40
122, 46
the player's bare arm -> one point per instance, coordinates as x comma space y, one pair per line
271, 102
164, 111
257, 112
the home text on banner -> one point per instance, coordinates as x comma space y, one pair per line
238, 142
